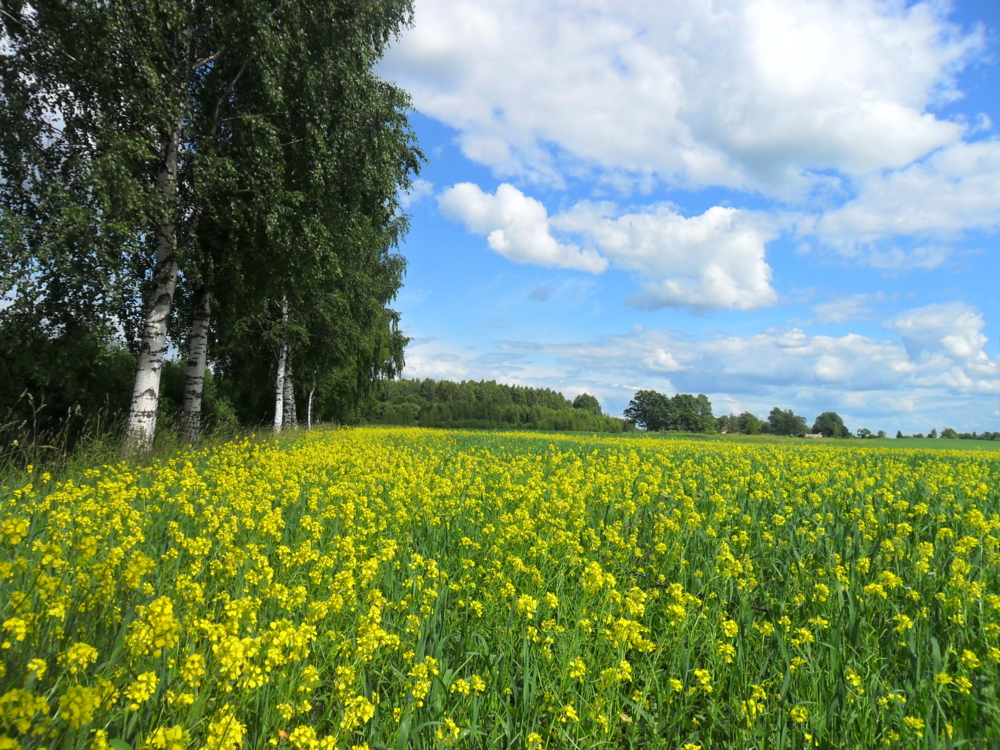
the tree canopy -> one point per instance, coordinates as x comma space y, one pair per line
831, 425
681, 412
786, 422
485, 404
220, 179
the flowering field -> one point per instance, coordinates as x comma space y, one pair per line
399, 588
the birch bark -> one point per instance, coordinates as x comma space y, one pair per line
279, 383
194, 381
289, 413
309, 409
153, 346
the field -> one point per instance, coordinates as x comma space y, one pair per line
402, 588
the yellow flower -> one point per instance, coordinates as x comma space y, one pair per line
78, 657
38, 667
568, 713
141, 690
77, 705
970, 660
167, 738
193, 669
915, 725
526, 605
577, 668
448, 732
225, 732
799, 714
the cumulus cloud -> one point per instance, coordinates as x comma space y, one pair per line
516, 226
714, 260
937, 361
952, 192
930, 368
948, 343
744, 93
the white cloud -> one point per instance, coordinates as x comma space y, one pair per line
516, 226
746, 93
948, 343
930, 370
844, 309
715, 260
955, 190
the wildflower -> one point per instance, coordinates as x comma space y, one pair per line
225, 732
526, 605
730, 628
141, 690
14, 529
357, 710
726, 652
448, 732
915, 725
970, 660
193, 669
77, 705
38, 668
799, 714
568, 713
78, 657
167, 738
19, 707
577, 669
17, 628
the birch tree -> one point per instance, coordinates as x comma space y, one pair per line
223, 152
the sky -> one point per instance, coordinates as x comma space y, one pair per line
788, 203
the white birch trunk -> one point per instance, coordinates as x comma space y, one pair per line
309, 409
289, 413
279, 389
194, 382
146, 392
279, 383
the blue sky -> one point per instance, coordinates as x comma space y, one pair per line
785, 203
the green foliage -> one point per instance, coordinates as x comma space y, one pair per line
782, 422
588, 403
682, 412
484, 405
749, 424
831, 425
292, 153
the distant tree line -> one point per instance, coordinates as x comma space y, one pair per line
487, 404
950, 433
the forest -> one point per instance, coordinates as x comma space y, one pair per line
487, 404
